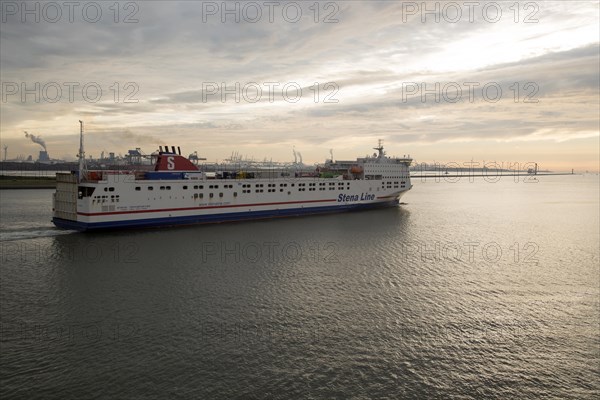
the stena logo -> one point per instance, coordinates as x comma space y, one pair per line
170, 163
342, 198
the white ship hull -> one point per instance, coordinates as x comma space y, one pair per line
176, 205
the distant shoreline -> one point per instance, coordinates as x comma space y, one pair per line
27, 182
467, 175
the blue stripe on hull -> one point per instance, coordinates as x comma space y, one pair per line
215, 218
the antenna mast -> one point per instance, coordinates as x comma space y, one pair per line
379, 148
81, 155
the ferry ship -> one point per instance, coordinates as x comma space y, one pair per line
177, 191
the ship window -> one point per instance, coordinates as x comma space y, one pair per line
85, 191
195, 186
162, 188
185, 188
234, 194
201, 195
220, 194
138, 188
168, 187
111, 189
150, 188
211, 195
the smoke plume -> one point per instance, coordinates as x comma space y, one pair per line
36, 139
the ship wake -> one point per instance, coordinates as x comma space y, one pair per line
34, 232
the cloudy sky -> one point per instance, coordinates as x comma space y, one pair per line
443, 81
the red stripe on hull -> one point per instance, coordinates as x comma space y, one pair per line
203, 208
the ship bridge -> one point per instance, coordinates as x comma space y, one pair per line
376, 167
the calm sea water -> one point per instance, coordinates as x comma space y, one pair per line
468, 290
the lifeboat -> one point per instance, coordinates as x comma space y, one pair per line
94, 175
356, 169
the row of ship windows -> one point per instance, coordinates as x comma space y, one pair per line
312, 187
389, 183
299, 189
246, 191
105, 199
211, 195
258, 185
185, 187
322, 185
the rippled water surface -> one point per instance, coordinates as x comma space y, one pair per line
468, 290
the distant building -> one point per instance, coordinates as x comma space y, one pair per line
43, 156
134, 156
